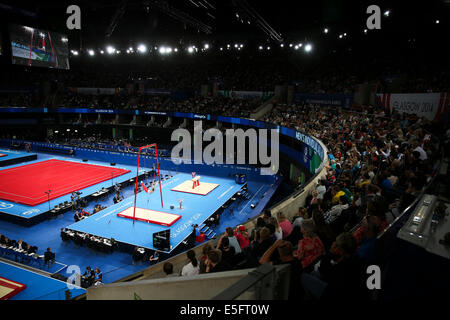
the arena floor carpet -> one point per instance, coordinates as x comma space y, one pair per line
27, 184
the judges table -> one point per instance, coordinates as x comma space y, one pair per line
21, 255
31, 259
101, 244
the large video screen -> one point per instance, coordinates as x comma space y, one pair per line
40, 48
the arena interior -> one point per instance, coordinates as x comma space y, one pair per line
203, 150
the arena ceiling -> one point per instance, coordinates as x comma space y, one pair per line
128, 22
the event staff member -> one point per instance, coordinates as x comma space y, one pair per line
49, 256
98, 277
77, 217
154, 257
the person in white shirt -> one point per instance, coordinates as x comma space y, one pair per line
336, 210
301, 215
233, 240
321, 190
278, 233
423, 154
192, 268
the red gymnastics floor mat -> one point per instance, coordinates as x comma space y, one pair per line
9, 288
27, 184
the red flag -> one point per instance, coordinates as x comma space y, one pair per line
144, 187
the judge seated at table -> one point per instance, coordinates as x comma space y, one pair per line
21, 245
49, 256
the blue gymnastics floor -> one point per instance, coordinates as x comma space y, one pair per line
39, 287
26, 212
196, 209
12, 154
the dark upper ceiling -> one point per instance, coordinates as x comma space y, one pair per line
293, 20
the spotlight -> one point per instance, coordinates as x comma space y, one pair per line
437, 21
110, 50
365, 31
282, 45
75, 53
102, 52
268, 48
308, 48
91, 52
260, 48
325, 30
142, 48
190, 50
206, 46
386, 13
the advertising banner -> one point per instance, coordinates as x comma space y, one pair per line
324, 99
429, 105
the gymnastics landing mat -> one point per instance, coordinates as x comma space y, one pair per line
9, 288
203, 189
150, 216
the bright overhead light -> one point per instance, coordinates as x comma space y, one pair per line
340, 36
102, 52
308, 47
63, 39
325, 30
142, 48
206, 46
110, 50
176, 49
190, 49
260, 48
91, 52
221, 49
290, 45
386, 13
282, 45
296, 47
75, 53
268, 48
437, 21
365, 30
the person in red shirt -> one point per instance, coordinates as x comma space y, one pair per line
242, 236
310, 247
